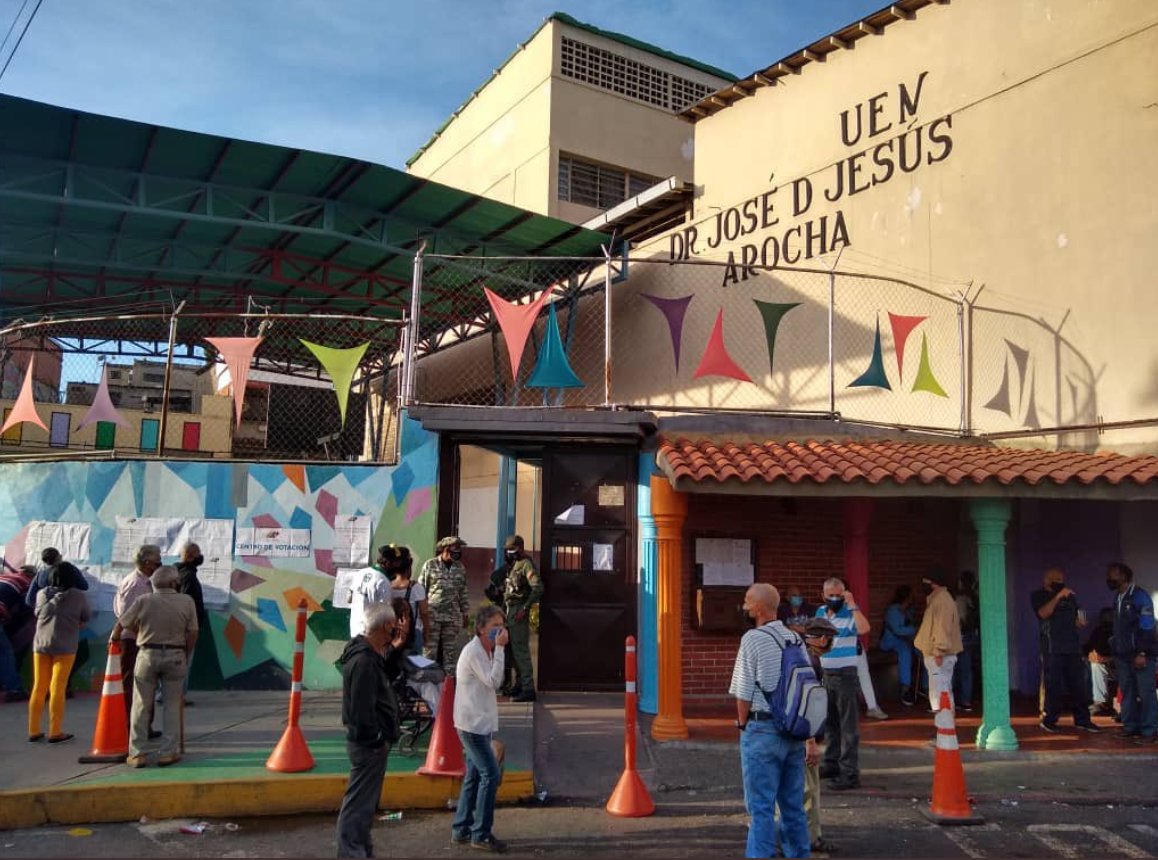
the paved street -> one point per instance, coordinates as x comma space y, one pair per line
701, 825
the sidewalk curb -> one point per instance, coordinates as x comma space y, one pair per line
96, 804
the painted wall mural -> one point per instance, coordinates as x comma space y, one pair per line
250, 641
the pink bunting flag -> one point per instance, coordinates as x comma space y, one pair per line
24, 409
238, 353
716, 361
902, 328
516, 322
102, 408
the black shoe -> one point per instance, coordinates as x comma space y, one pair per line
844, 783
506, 691
822, 846
1089, 727
829, 772
1145, 739
61, 739
459, 840
907, 700
1049, 727
967, 707
525, 696
489, 843
154, 734
1126, 733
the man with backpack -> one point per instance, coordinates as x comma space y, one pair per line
779, 706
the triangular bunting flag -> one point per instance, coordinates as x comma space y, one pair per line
715, 360
773, 313
341, 364
1021, 356
237, 352
516, 322
102, 408
24, 409
673, 311
902, 327
552, 369
1000, 401
874, 376
925, 380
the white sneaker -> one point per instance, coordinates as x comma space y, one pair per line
877, 714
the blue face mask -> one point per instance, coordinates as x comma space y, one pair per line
796, 601
494, 633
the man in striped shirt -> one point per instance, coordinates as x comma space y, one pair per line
773, 763
842, 729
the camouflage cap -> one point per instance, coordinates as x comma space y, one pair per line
513, 542
449, 543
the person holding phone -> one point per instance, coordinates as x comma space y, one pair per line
476, 718
1062, 668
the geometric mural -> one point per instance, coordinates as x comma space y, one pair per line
249, 642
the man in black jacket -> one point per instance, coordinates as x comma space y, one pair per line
370, 714
188, 583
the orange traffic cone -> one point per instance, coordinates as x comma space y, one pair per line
444, 757
110, 741
292, 755
950, 804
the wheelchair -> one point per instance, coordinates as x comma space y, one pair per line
416, 714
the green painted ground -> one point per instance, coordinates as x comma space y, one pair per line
329, 754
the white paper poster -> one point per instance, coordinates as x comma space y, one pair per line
576, 515
101, 592
725, 561
215, 576
603, 556
215, 537
352, 539
273, 543
72, 539
344, 586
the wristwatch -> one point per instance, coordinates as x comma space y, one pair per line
739, 725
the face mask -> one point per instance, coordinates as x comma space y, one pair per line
927, 587
834, 603
494, 633
1055, 587
1113, 584
456, 555
197, 561
796, 601
512, 554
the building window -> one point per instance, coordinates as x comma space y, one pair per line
567, 557
154, 378
598, 185
626, 77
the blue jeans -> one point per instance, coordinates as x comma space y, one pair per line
773, 774
1138, 684
476, 803
10, 678
964, 679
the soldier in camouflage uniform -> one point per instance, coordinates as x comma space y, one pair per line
521, 589
444, 578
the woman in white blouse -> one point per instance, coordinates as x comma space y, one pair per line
476, 717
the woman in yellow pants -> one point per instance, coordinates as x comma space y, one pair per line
61, 610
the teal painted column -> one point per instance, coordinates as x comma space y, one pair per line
990, 517
646, 650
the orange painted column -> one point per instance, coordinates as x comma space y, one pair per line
670, 510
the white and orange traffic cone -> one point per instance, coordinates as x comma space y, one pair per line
630, 798
110, 742
292, 755
950, 803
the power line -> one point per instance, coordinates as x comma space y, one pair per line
12, 26
16, 47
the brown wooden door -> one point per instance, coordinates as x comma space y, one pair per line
588, 552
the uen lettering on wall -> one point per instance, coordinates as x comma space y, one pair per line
273, 543
908, 146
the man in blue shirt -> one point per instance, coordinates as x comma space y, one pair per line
842, 729
1134, 653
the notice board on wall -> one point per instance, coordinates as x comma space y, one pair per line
725, 562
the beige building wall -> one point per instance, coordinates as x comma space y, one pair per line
506, 141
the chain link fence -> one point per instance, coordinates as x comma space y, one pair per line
315, 387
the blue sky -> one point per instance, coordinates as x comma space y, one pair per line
367, 78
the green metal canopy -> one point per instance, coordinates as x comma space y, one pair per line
100, 214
